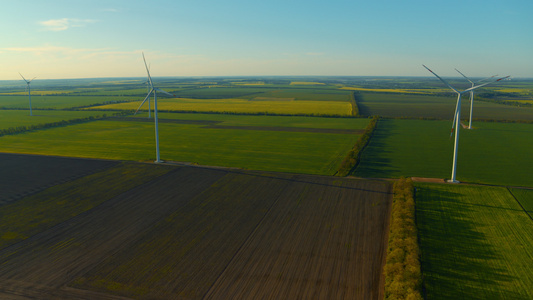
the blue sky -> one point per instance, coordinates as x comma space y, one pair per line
82, 39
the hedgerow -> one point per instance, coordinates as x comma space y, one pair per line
353, 156
403, 276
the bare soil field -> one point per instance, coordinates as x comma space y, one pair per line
22, 175
199, 233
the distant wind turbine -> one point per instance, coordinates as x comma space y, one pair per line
472, 95
28, 88
153, 90
147, 82
457, 117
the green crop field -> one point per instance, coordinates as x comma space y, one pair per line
221, 92
525, 197
59, 102
497, 153
476, 243
309, 94
428, 106
15, 118
286, 151
243, 106
284, 121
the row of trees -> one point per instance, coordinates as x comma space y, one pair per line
403, 277
351, 160
355, 108
20, 129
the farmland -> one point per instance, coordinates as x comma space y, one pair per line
15, 118
239, 235
476, 242
269, 121
58, 102
497, 153
311, 151
106, 229
439, 107
272, 106
525, 198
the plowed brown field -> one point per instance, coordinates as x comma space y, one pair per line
199, 233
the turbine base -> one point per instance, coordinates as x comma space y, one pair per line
453, 181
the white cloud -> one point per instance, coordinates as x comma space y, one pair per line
64, 24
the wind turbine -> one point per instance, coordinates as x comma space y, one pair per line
29, 90
147, 82
153, 90
457, 117
472, 95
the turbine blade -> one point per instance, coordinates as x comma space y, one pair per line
464, 76
146, 98
23, 78
148, 72
487, 78
478, 86
161, 91
445, 82
32, 79
454, 118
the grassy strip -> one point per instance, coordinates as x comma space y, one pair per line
403, 277
21, 129
351, 160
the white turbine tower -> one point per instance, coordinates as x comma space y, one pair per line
153, 90
457, 118
28, 88
472, 95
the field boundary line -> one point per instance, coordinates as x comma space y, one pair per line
517, 201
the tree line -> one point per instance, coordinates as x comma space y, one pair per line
403, 276
351, 160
